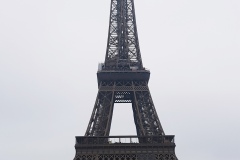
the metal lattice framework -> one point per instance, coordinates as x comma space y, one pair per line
149, 156
123, 79
135, 92
125, 148
123, 50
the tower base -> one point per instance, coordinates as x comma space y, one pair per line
125, 148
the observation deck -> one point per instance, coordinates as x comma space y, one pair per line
124, 75
132, 146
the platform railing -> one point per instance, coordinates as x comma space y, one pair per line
124, 140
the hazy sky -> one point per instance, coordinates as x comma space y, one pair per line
49, 52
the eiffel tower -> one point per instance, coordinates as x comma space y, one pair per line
123, 79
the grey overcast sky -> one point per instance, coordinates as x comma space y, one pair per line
49, 52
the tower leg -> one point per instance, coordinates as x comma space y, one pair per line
100, 121
147, 121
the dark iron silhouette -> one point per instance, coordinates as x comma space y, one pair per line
123, 79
